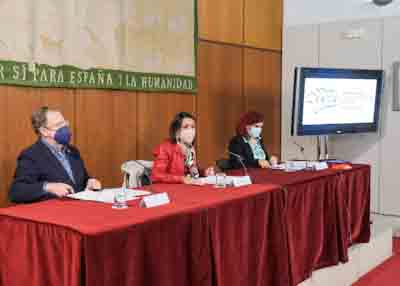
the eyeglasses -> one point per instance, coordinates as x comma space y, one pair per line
58, 125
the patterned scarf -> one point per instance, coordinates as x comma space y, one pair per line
190, 161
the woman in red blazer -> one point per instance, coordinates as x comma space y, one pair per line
175, 158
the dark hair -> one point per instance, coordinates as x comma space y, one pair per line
248, 118
176, 124
39, 119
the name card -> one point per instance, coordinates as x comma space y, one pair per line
321, 166
241, 181
155, 200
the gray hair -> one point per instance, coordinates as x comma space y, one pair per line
39, 119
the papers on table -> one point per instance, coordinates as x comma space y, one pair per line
107, 195
278, 166
292, 166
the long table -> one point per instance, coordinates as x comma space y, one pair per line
203, 237
275, 232
326, 212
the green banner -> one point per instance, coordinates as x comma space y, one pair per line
126, 45
40, 75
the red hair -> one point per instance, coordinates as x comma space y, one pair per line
248, 118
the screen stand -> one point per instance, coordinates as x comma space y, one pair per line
322, 148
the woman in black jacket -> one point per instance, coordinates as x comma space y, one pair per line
248, 145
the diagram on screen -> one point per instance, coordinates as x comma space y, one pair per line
321, 99
336, 100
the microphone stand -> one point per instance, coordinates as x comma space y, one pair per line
322, 148
240, 159
326, 147
244, 167
319, 154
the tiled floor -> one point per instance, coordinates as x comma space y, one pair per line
385, 220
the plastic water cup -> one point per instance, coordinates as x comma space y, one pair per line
220, 180
120, 199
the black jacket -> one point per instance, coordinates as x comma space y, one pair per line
238, 146
37, 165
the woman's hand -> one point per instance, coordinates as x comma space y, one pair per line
192, 181
273, 160
210, 171
263, 164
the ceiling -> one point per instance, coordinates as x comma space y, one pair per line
298, 12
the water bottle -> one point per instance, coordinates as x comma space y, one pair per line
120, 199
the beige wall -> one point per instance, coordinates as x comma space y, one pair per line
324, 45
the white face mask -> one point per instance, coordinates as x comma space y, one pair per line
187, 135
255, 132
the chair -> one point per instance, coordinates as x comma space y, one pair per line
223, 164
135, 171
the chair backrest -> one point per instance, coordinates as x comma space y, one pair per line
223, 164
134, 171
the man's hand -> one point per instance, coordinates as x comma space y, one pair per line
93, 184
59, 189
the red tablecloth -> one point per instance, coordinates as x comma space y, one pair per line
256, 235
205, 236
324, 209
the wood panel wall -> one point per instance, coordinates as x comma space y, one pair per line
239, 69
263, 24
262, 88
220, 99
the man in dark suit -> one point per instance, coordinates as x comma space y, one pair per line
51, 167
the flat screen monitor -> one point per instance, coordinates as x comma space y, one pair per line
336, 101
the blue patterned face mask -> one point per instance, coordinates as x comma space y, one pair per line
63, 136
255, 132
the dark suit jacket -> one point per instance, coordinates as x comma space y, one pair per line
37, 165
240, 147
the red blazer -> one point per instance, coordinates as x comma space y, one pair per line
169, 163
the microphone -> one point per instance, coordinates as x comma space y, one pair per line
240, 159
